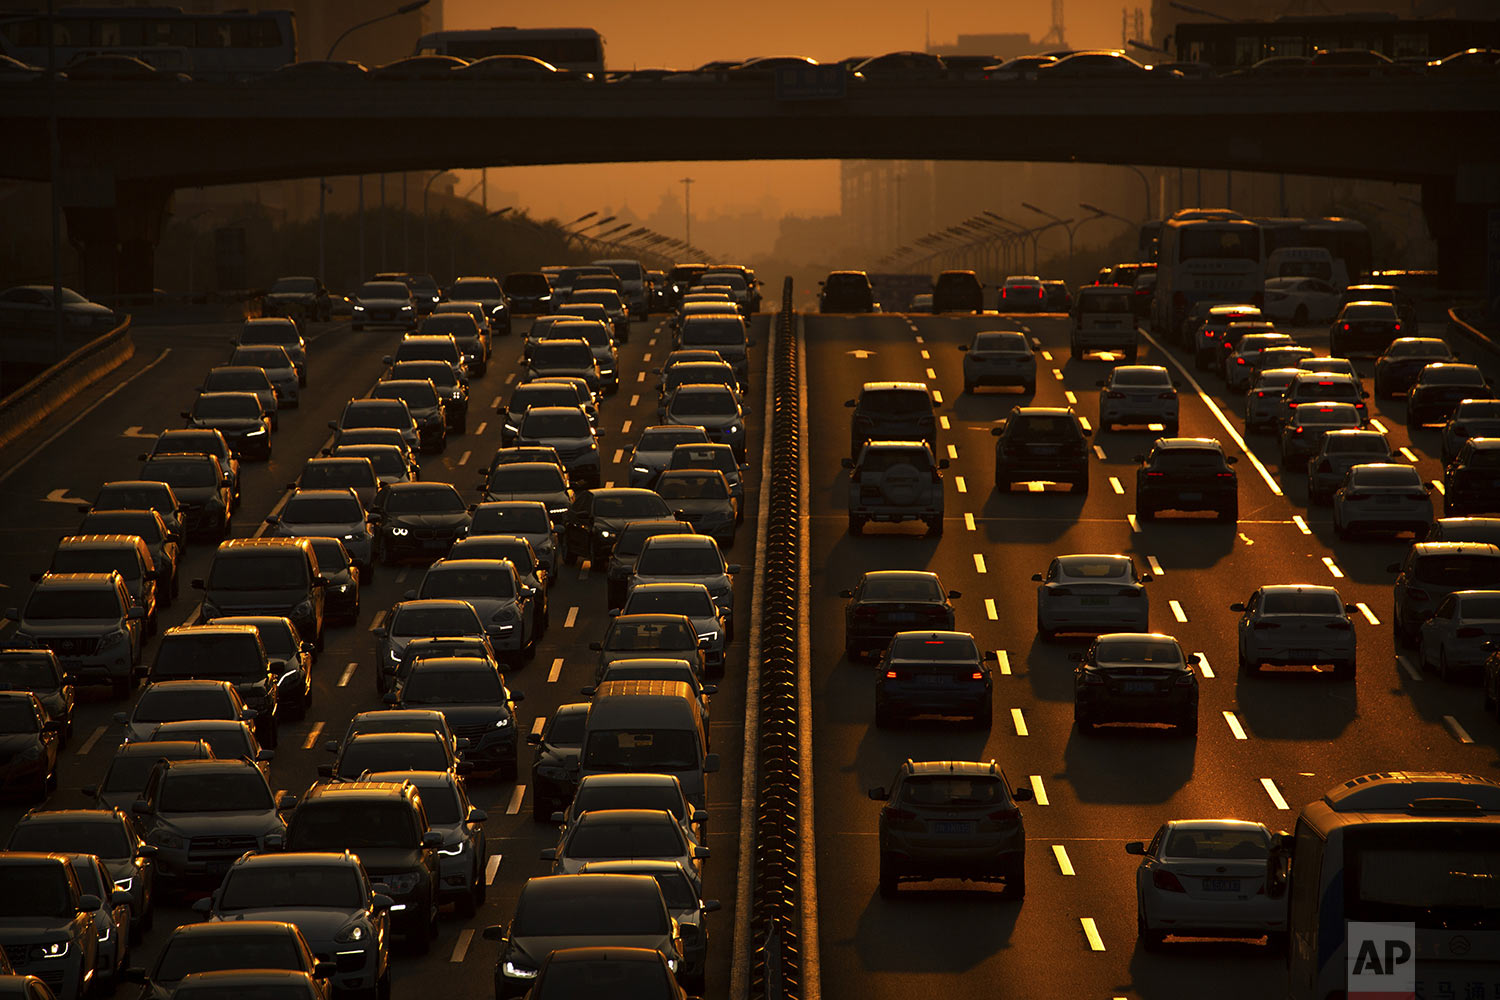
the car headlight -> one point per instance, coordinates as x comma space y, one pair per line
168, 839
456, 394
354, 932
605, 533
456, 851
342, 588
554, 511
505, 614
401, 883
104, 932
398, 532
125, 884
57, 949
503, 723
359, 308
518, 971
640, 468
708, 636
303, 609
512, 428
406, 309
395, 656
733, 429
288, 676
672, 964
258, 432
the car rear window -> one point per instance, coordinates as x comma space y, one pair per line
1188, 458
1096, 303
1045, 428
1419, 349
214, 953
544, 914
1325, 389
106, 839
335, 826
1403, 475
82, 603
1452, 375
952, 789
896, 402
1303, 603
259, 571
1217, 845
1458, 571
934, 648
901, 588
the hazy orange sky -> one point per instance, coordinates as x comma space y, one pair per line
679, 34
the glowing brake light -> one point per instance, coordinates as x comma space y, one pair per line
1166, 881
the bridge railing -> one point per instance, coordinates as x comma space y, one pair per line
49, 392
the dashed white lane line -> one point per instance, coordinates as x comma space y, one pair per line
1046, 355
1038, 790
635, 401
1156, 569
312, 736
937, 397
1020, 722
625, 428
583, 569
1459, 733
1085, 422
1002, 661
619, 454
952, 451
1333, 567
646, 356
556, 671
969, 524
958, 482
651, 342
572, 617
539, 723
1234, 726
348, 674
1036, 487
1116, 485
1064, 865
1437, 484
1376, 425
1177, 611
1091, 931
1274, 793
1057, 374
484, 425
402, 574
1364, 609
1301, 524
1205, 666
516, 795
491, 869
1246, 538
88, 744
461, 946
464, 458
379, 620
1098, 451
640, 376
1135, 525
919, 337
1072, 399
979, 566
495, 403
510, 377
943, 422
925, 355
1408, 454
990, 611
1408, 666
931, 373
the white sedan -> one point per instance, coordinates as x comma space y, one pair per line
1206, 878
1301, 300
1458, 636
1091, 593
1296, 624
1382, 496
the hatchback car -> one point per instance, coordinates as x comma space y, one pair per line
1382, 497
625, 834
999, 357
123, 554
1337, 453
952, 819
1472, 418
1186, 474
1135, 677
889, 601
1430, 572
33, 743
892, 411
1297, 625
1403, 359
1206, 878
1138, 394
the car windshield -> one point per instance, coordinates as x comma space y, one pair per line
714, 403
895, 402
90, 560
438, 686
303, 285
1208, 844
159, 704
326, 475
435, 621
375, 413
661, 560
1458, 571
33, 891
226, 743
244, 379
261, 887
1153, 377
1357, 444
931, 647
27, 673
1171, 459
425, 349
674, 601
259, 571
189, 953
1036, 427
692, 486
1157, 652
435, 499
1329, 389
630, 505
1006, 343
626, 636
383, 290
1301, 602
1103, 303
93, 603
1400, 475
461, 582
475, 289
336, 826
419, 396
208, 654
518, 479
121, 523
1095, 567
541, 394
952, 790
660, 439
562, 354
321, 510
1419, 349
545, 423
720, 333
262, 356
221, 791
1332, 415
901, 588
607, 838
221, 406
641, 750
103, 837
386, 460
181, 473
546, 914
363, 755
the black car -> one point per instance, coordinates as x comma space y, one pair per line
957, 291
488, 292
1403, 359
1472, 418
393, 751
1471, 482
194, 950
131, 766
936, 673
594, 523
31, 743
1363, 328
426, 406
1041, 443
38, 671
202, 487
386, 826
846, 292
1135, 677
528, 292
201, 441
464, 856
595, 971
453, 390
472, 695
109, 835
888, 601
341, 593
1186, 474
1438, 390
627, 550
417, 521
892, 411
239, 416
140, 494
237, 654
558, 745
298, 297
165, 547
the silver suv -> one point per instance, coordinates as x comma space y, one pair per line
895, 481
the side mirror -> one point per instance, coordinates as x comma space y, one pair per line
711, 906
463, 767
1022, 793
1393, 568
558, 817
534, 739
324, 968
879, 793
710, 763
286, 802
273, 520
381, 901
734, 568
1101, 383
432, 839
1232, 459
141, 807
596, 646
197, 583
333, 425
1037, 577
265, 756
942, 463
701, 853
548, 854
587, 692
140, 670
477, 815
846, 593
391, 697
325, 770
997, 431
849, 403
1135, 847
494, 932
185, 414
1237, 606
331, 746
847, 463
203, 906
990, 656
121, 718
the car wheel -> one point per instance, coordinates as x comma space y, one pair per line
1083, 720
1230, 513
1247, 665
883, 718
890, 880
1344, 671
1075, 352
541, 810
1081, 485
462, 427
1029, 387
120, 687
985, 717
935, 526
568, 557
1277, 942
1146, 513
1105, 425
1151, 940
1015, 879
1442, 665
856, 524
968, 388
1189, 725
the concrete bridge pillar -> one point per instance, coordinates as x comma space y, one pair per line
115, 226
1457, 211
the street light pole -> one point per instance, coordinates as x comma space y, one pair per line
687, 210
426, 189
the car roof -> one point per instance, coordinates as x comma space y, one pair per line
79, 581
1192, 443
1041, 411
687, 540
967, 767
215, 626
884, 386
1298, 588
900, 574
361, 789
1455, 549
233, 928
300, 859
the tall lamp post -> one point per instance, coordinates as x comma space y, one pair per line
426, 189
1068, 224
687, 210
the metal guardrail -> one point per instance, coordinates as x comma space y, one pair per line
775, 904
1462, 328
44, 395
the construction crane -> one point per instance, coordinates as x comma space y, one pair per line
1054, 36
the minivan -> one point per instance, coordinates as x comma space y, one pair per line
651, 727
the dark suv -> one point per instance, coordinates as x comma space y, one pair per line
1041, 443
892, 411
266, 576
1186, 474
846, 292
232, 653
957, 291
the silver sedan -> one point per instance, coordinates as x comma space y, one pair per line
999, 357
1458, 636
1296, 624
1138, 394
1091, 593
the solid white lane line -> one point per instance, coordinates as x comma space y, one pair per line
1408, 454
1038, 790
572, 617
1002, 660
88, 744
1274, 793
1100, 453
1410, 668
1134, 524
1234, 726
556, 671
1333, 568
1364, 609
969, 524
952, 451
1203, 665
1063, 864
464, 458
348, 673
1177, 611
989, 609
1020, 722
1459, 733
539, 723
1091, 931
958, 481
1376, 425
312, 736
1116, 485
1156, 569
492, 868
483, 426
1072, 399
619, 454
516, 795
461, 946
979, 563
943, 422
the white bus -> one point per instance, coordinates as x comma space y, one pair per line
1204, 255
580, 49
1396, 847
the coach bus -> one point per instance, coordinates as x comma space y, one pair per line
580, 49
1418, 848
233, 45
1238, 44
1346, 240
1204, 254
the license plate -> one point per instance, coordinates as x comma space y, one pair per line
1095, 602
1222, 884
952, 827
1388, 501
904, 616
1305, 654
935, 680
1043, 450
1192, 496
1138, 687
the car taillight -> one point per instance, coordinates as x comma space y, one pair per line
1299, 430
1346, 326
1209, 334
1092, 677
891, 675
1398, 327
1169, 394
1223, 475
1470, 632
1113, 394
977, 675
891, 812
1166, 881
1265, 625
1003, 815
1156, 475
1239, 361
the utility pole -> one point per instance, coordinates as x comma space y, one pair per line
54, 152
687, 210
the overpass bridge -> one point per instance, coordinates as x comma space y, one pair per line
126, 146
